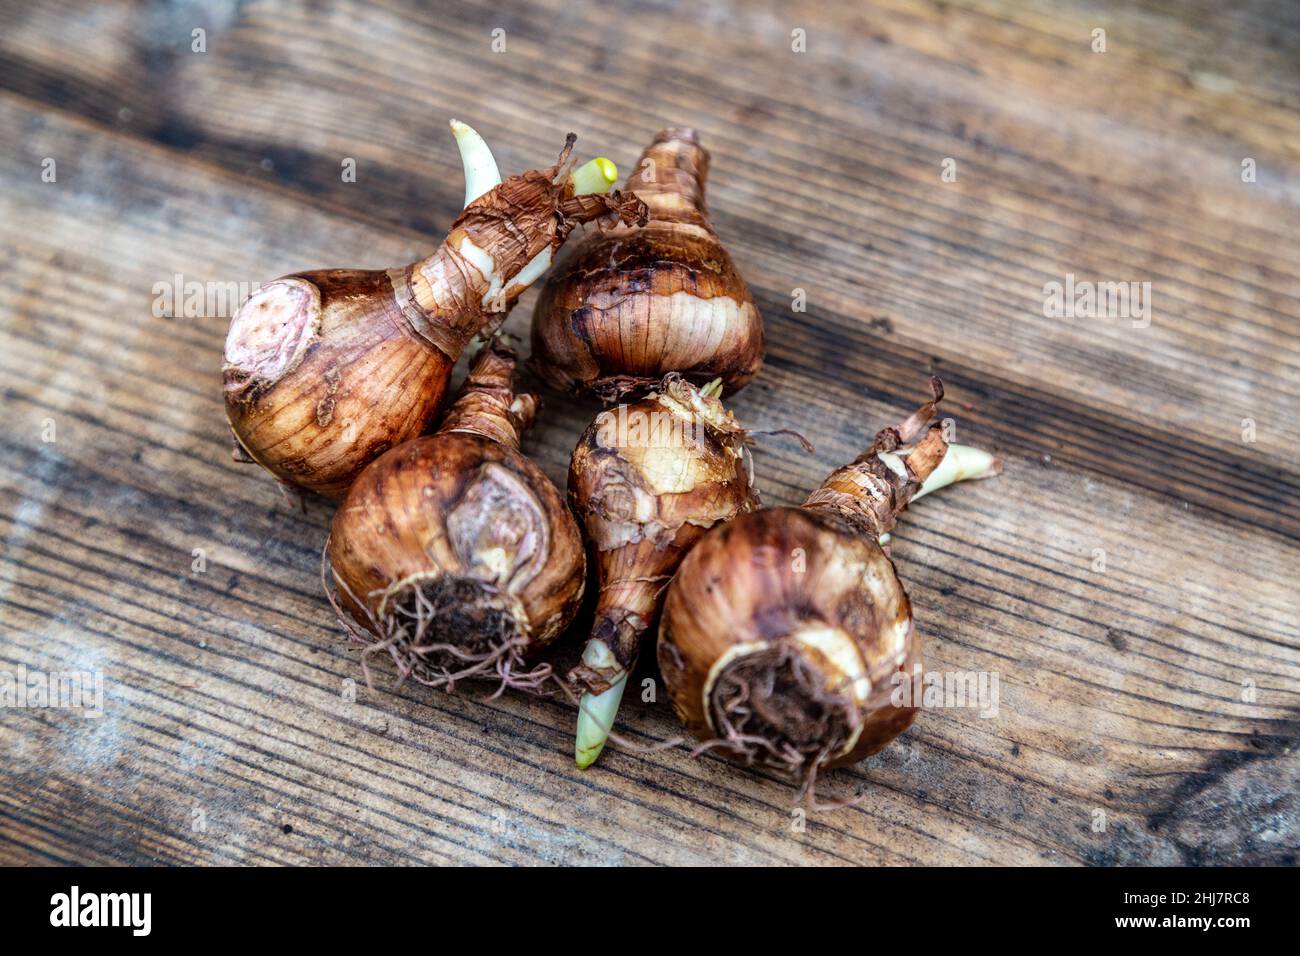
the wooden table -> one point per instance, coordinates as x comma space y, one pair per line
1131, 577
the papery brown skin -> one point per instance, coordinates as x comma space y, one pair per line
326, 370
643, 504
750, 588
465, 515
629, 304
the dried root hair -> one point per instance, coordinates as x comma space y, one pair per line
746, 743
414, 611
773, 709
748, 732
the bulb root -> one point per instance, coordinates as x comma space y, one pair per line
773, 708
489, 644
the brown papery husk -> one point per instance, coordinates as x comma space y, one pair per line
454, 553
629, 304
326, 370
760, 615
644, 497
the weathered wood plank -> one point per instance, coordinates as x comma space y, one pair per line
1121, 689
913, 273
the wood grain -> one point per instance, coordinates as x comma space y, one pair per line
228, 734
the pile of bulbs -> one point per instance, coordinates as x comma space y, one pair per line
781, 631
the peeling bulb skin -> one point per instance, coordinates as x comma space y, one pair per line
629, 304
647, 480
324, 371
453, 554
785, 631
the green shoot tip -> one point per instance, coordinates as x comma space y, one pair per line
595, 718
595, 176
